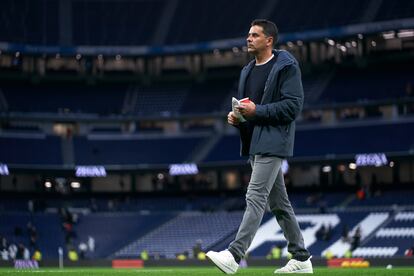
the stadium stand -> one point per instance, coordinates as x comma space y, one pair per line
336, 140
165, 239
103, 100
89, 16
388, 198
40, 24
136, 114
163, 101
50, 235
176, 236
358, 85
132, 151
389, 82
393, 238
168, 228
388, 10
43, 149
130, 225
93, 22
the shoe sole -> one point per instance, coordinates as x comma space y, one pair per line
219, 265
306, 270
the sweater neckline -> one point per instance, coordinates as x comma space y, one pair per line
263, 63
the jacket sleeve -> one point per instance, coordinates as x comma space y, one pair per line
290, 104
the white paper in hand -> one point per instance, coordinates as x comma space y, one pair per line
234, 104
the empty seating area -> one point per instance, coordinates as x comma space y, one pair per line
35, 149
379, 240
331, 140
370, 84
344, 85
226, 149
125, 150
124, 228
108, 203
166, 228
41, 149
115, 148
346, 220
65, 98
172, 203
166, 203
30, 22
48, 226
159, 101
391, 10
355, 139
181, 234
176, 237
388, 197
175, 203
104, 99
392, 239
98, 98
203, 27
209, 97
292, 16
116, 22
317, 200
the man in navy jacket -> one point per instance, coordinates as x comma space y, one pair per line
272, 81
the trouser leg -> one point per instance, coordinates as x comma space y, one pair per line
264, 172
282, 210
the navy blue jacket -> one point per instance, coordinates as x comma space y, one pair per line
274, 122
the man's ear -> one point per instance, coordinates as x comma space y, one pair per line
270, 39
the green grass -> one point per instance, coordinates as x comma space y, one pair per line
256, 271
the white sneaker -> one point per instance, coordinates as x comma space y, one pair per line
295, 266
224, 260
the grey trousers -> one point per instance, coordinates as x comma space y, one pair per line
268, 186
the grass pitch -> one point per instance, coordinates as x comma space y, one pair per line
256, 271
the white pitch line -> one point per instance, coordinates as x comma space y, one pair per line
154, 270
81, 271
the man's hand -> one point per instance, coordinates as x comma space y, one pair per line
248, 110
232, 119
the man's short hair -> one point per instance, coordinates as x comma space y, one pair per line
269, 28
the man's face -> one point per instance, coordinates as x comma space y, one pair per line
257, 41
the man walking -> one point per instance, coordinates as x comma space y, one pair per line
273, 83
